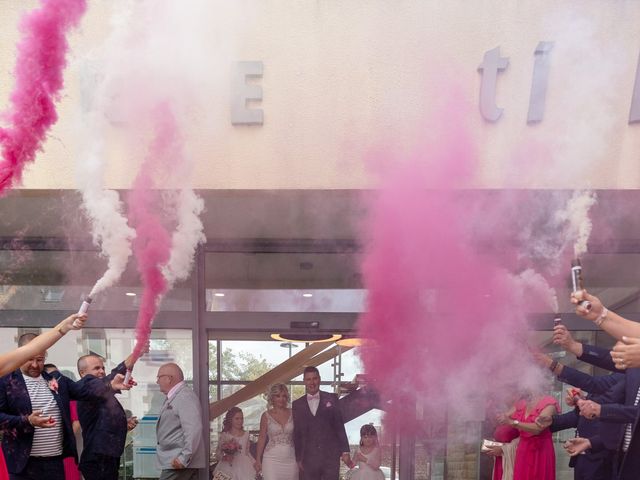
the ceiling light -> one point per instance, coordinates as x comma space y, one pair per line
306, 337
130, 294
348, 341
307, 295
218, 294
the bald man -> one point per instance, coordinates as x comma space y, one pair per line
103, 421
35, 417
179, 428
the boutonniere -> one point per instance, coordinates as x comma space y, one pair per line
328, 405
53, 385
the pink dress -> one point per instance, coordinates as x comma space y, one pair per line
4, 474
71, 471
535, 457
504, 434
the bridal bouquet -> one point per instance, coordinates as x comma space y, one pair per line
231, 447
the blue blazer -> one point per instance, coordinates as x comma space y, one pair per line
103, 421
15, 407
596, 464
618, 407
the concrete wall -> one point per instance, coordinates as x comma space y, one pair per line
344, 79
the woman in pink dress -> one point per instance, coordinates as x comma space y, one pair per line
535, 456
503, 434
71, 471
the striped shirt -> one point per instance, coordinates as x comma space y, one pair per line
47, 442
628, 430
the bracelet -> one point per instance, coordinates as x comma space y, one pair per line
602, 317
553, 366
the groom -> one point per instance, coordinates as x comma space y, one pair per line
318, 431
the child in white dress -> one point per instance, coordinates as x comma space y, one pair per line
368, 456
236, 464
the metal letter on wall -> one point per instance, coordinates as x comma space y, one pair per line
489, 68
242, 92
539, 82
634, 114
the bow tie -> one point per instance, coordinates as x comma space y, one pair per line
311, 397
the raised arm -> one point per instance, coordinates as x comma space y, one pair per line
612, 323
12, 360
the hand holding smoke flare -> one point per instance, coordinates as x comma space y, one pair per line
84, 307
145, 349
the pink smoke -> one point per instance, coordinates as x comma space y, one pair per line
444, 316
152, 245
39, 80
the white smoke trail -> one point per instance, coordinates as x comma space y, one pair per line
576, 215
110, 230
187, 236
536, 284
138, 66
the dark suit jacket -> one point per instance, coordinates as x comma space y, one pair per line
104, 423
619, 408
320, 438
15, 407
596, 464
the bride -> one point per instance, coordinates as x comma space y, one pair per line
279, 460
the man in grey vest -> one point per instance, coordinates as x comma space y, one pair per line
318, 431
179, 429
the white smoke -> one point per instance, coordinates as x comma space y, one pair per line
137, 67
185, 239
535, 284
110, 230
576, 216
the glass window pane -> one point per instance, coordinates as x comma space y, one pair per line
213, 360
248, 360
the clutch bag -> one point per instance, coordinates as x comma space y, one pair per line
488, 444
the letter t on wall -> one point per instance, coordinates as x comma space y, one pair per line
489, 68
242, 92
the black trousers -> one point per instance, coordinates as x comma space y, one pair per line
95, 466
39, 468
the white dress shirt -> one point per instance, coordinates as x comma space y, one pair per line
313, 401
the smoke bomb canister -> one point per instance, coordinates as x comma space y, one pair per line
577, 282
83, 309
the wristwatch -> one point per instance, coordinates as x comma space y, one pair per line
515, 423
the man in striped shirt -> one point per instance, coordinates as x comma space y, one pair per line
35, 417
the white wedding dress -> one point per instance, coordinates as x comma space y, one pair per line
369, 470
279, 459
241, 468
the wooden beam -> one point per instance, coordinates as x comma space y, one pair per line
283, 373
259, 385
